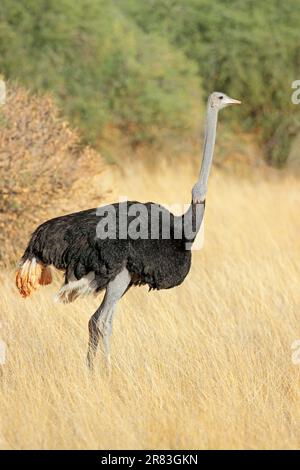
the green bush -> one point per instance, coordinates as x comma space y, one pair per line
247, 48
102, 68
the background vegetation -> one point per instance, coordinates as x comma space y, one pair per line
99, 64
246, 47
141, 66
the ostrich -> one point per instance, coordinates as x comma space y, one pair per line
93, 262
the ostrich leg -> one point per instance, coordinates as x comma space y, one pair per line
100, 324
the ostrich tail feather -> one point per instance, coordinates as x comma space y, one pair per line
30, 275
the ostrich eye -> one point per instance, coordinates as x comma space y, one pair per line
220, 97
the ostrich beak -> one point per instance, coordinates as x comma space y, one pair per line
229, 100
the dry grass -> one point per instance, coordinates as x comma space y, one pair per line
206, 365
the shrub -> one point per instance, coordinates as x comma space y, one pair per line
40, 160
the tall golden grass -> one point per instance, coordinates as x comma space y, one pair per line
206, 365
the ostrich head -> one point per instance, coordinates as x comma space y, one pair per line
218, 100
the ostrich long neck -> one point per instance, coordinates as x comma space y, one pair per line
209, 145
192, 219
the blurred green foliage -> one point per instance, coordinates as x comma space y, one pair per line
100, 65
139, 65
247, 48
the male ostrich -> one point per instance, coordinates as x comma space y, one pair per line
92, 262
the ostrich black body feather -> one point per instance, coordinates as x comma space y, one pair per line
70, 243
